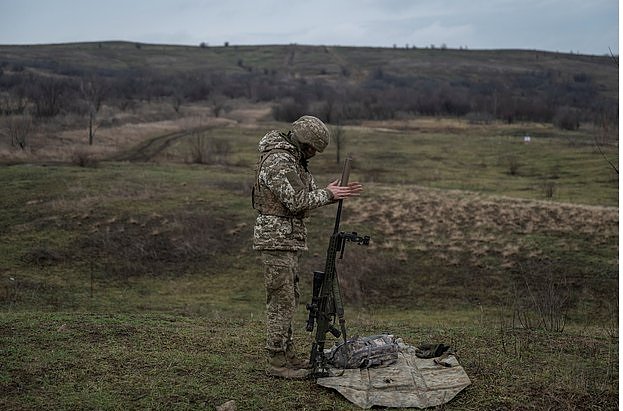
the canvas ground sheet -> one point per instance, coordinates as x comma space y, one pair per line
410, 382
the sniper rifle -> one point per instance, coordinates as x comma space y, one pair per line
326, 302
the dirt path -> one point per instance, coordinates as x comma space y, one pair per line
150, 148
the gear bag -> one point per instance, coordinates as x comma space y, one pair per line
365, 352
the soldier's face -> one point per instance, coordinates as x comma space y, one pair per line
308, 151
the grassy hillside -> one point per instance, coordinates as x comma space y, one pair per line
132, 285
307, 60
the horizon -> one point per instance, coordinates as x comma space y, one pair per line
396, 47
564, 26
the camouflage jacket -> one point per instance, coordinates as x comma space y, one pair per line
283, 193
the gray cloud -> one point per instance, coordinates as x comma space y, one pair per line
558, 25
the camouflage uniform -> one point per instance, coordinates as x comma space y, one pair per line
283, 194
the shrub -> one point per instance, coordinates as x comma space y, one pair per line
83, 158
513, 164
542, 298
18, 128
209, 150
549, 189
567, 118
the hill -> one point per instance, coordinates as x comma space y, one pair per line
337, 83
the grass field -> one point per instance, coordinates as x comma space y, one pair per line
133, 285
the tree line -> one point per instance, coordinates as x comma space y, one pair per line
46, 89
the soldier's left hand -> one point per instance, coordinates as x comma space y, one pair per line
353, 189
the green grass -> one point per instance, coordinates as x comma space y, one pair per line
480, 160
450, 154
134, 285
170, 361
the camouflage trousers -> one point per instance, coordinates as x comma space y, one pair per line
281, 278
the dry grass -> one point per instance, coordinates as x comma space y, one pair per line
59, 139
447, 224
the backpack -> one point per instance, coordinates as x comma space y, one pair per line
365, 352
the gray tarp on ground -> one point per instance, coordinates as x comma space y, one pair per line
410, 382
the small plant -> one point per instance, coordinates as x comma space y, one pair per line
204, 150
549, 189
83, 158
513, 165
542, 300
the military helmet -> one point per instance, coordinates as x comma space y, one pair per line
310, 130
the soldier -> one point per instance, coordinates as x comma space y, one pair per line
283, 193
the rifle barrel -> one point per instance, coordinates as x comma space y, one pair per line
346, 171
343, 183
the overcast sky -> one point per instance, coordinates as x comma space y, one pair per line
585, 26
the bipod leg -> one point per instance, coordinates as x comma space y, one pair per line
339, 305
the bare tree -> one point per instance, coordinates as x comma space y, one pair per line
219, 103
93, 91
606, 137
177, 100
46, 94
614, 58
607, 133
18, 128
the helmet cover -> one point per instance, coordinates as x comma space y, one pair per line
312, 131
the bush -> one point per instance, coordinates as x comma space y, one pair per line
542, 299
513, 164
549, 189
83, 158
204, 150
567, 118
18, 129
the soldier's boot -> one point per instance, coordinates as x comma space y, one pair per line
278, 366
293, 360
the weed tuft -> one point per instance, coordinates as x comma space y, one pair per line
84, 158
43, 256
542, 299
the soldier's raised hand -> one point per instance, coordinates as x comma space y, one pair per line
353, 189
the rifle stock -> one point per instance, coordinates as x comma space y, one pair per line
326, 302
